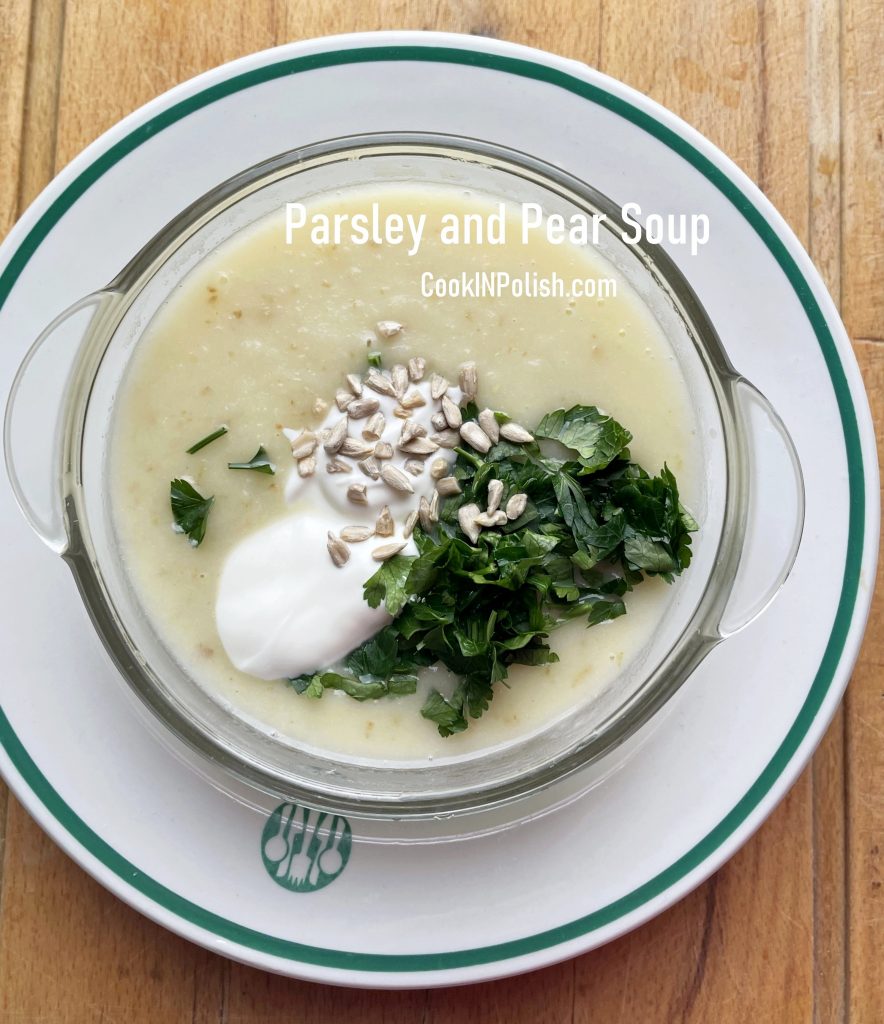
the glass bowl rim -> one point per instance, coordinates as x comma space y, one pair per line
674, 667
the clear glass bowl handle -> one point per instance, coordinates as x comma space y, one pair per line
32, 425
775, 514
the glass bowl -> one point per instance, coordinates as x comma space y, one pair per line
748, 458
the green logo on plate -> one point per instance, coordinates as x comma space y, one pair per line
304, 850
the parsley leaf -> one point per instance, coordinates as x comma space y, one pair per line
598, 439
448, 716
359, 689
208, 439
376, 658
190, 510
388, 585
259, 462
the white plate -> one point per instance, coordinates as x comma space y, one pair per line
737, 734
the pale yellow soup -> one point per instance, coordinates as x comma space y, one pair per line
262, 329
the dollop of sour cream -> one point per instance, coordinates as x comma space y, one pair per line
283, 607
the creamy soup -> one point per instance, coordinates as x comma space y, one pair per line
259, 338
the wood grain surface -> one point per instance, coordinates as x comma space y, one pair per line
791, 929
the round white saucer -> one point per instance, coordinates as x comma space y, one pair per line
437, 912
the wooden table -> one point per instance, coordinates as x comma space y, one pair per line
791, 929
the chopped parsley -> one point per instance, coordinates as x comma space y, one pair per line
208, 439
594, 526
190, 510
259, 463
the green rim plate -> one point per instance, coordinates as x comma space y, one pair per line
706, 847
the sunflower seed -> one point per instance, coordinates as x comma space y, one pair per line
419, 446
412, 399
336, 436
438, 420
446, 438
323, 435
304, 445
435, 503
336, 465
374, 427
423, 514
516, 506
410, 430
338, 550
448, 486
451, 413
399, 379
438, 386
408, 528
400, 412
319, 406
343, 399
354, 383
380, 382
307, 467
495, 493
469, 381
358, 494
383, 450
488, 422
439, 468
516, 433
354, 448
370, 468
475, 436
387, 551
359, 408
384, 526
395, 478
388, 328
416, 367
356, 534
466, 517
414, 466
486, 519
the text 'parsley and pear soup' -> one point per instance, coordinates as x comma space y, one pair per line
389, 519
